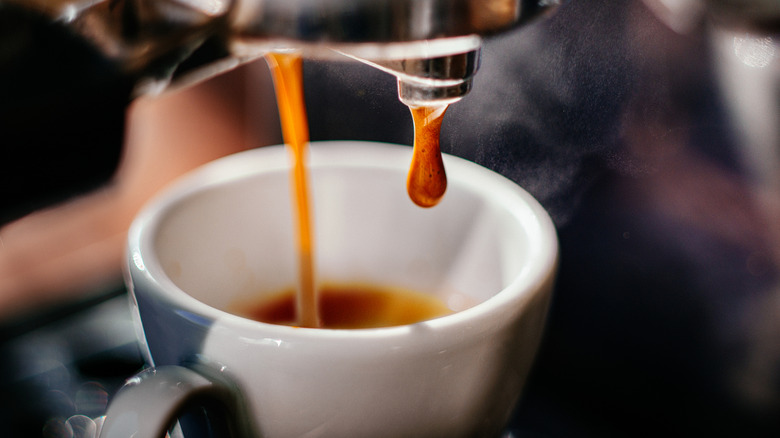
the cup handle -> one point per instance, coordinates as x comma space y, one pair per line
149, 403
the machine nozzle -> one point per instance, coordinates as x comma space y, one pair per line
444, 79
436, 79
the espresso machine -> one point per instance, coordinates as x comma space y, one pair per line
123, 49
646, 128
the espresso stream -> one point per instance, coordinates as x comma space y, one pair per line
426, 183
287, 73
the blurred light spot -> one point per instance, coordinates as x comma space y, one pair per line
82, 426
91, 399
208, 7
139, 262
755, 52
69, 13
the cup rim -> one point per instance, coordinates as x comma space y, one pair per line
142, 265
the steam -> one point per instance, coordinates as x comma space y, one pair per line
544, 106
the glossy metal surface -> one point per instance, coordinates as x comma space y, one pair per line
194, 39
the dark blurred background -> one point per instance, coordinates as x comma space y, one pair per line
652, 142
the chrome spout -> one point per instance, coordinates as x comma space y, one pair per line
436, 78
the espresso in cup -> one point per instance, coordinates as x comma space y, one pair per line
349, 306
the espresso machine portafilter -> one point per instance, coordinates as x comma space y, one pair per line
432, 46
86, 59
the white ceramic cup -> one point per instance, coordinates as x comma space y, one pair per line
224, 233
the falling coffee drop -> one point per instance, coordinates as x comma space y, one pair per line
427, 180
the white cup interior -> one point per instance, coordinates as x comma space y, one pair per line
228, 231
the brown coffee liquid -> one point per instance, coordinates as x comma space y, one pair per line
287, 73
350, 307
427, 180
426, 183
